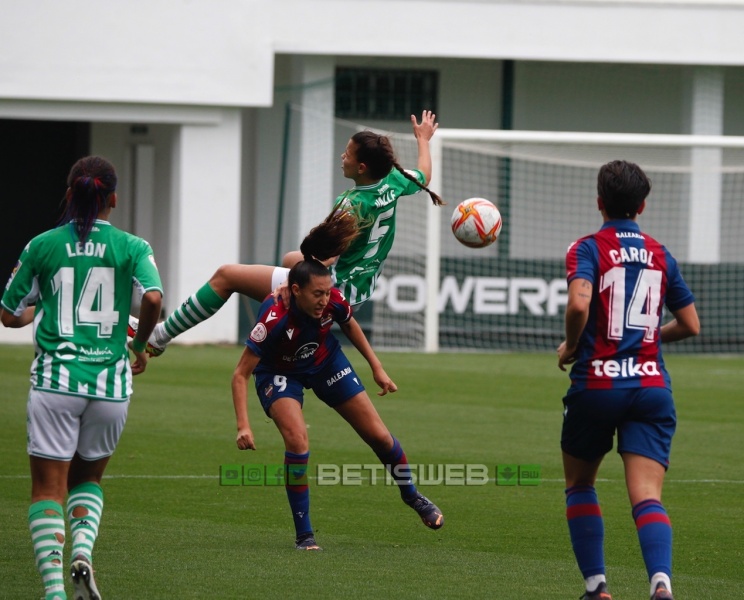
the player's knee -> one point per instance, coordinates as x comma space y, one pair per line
379, 439
291, 259
224, 280
296, 441
222, 274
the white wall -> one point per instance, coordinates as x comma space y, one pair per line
221, 52
633, 31
201, 52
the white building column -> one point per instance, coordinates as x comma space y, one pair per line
706, 186
316, 156
206, 225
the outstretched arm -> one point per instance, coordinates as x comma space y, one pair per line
424, 132
241, 377
356, 336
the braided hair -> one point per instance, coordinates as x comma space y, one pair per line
90, 184
376, 151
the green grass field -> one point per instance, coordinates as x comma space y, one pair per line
170, 530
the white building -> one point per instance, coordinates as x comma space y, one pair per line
189, 99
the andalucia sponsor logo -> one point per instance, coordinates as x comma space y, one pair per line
95, 355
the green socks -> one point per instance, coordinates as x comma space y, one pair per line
84, 526
199, 307
47, 526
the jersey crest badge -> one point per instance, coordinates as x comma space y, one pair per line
258, 334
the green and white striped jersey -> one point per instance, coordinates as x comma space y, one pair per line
357, 270
83, 294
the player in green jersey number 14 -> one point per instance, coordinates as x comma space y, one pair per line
379, 181
75, 284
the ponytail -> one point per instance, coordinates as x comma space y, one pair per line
90, 184
332, 236
435, 198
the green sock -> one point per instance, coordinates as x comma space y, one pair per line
199, 307
84, 528
47, 525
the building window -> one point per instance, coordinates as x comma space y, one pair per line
390, 94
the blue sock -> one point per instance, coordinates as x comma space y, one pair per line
298, 492
655, 535
586, 527
396, 463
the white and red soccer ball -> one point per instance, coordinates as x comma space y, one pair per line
476, 222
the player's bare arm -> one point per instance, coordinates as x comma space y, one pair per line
148, 318
423, 132
241, 379
355, 335
10, 320
686, 324
577, 313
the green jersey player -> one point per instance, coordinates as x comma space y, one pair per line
379, 181
375, 201
74, 283
82, 296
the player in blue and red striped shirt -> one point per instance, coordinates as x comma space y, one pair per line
619, 280
292, 348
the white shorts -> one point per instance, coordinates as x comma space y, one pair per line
278, 277
59, 425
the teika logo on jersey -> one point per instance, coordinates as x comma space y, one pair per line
627, 367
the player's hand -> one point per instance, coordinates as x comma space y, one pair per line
245, 439
140, 360
424, 130
566, 355
383, 380
282, 291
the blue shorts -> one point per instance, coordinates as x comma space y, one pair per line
334, 384
644, 418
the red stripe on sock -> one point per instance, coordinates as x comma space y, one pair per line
654, 517
583, 510
297, 489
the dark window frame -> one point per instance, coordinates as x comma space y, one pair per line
384, 94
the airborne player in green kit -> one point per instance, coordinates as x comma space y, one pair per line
368, 160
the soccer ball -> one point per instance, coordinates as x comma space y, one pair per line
476, 223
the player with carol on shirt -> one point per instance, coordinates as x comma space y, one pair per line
619, 279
